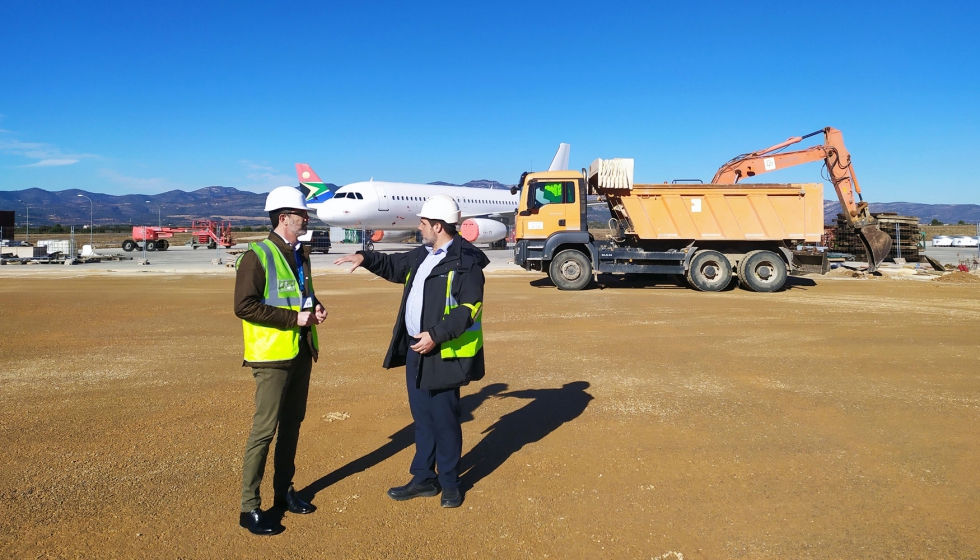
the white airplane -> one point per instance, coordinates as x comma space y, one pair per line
389, 209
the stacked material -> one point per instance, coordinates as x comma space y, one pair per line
904, 231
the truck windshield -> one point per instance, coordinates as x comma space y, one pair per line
553, 193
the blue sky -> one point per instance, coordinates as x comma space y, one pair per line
148, 97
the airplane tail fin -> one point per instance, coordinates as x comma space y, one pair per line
560, 163
315, 188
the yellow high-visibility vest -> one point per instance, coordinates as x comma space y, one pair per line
470, 342
282, 290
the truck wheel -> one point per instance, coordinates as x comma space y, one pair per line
762, 271
150, 245
710, 271
212, 245
163, 245
570, 270
128, 245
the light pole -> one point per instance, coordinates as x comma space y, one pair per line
159, 223
28, 237
91, 222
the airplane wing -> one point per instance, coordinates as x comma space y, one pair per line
560, 162
491, 215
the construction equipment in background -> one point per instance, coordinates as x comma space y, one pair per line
837, 160
210, 234
204, 233
902, 230
706, 233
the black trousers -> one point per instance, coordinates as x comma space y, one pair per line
438, 436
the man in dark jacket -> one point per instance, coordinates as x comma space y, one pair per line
438, 337
274, 299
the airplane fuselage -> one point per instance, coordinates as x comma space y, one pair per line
380, 205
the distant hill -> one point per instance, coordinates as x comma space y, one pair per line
177, 208
478, 184
946, 213
245, 208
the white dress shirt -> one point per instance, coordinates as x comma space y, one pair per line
413, 305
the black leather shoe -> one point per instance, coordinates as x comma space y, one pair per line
452, 498
258, 523
413, 490
295, 504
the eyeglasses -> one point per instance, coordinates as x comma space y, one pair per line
304, 215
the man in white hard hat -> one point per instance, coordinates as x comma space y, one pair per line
274, 299
438, 337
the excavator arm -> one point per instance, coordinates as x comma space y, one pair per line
838, 162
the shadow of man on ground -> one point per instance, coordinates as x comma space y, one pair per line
398, 441
548, 410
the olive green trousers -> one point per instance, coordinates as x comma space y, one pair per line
280, 405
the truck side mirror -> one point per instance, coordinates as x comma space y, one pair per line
513, 190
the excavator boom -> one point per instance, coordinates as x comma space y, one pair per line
838, 163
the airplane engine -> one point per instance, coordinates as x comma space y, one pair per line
479, 230
391, 236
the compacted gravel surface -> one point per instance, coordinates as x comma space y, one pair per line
839, 418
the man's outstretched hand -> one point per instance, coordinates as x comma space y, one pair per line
355, 258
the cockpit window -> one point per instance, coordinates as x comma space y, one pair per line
359, 196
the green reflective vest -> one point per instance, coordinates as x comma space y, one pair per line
282, 290
470, 342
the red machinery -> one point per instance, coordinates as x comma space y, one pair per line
838, 163
209, 233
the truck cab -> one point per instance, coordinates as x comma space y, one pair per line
550, 202
551, 219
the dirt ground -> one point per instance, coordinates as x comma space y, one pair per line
836, 419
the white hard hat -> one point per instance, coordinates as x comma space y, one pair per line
441, 207
285, 197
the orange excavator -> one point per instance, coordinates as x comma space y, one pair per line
838, 163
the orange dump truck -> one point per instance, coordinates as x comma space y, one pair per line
707, 233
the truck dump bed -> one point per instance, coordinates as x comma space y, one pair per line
719, 212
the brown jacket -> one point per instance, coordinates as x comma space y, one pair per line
250, 288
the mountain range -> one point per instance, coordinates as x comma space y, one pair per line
245, 208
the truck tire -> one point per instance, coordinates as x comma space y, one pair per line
710, 271
150, 245
129, 245
762, 271
212, 245
570, 270
163, 245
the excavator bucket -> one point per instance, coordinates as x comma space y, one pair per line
876, 243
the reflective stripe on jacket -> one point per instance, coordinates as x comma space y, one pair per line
282, 290
470, 342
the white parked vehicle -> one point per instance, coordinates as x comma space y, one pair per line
965, 241
942, 241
